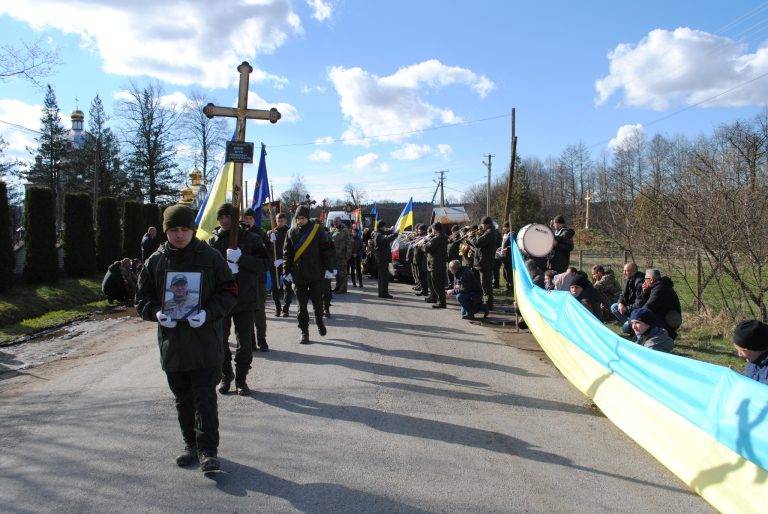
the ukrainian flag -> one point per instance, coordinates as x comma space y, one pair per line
406, 217
220, 192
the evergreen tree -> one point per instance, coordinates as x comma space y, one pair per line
133, 225
151, 216
41, 260
7, 258
79, 237
525, 206
51, 154
108, 233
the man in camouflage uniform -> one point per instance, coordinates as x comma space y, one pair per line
342, 243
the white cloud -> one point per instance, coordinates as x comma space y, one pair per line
369, 161
626, 134
306, 90
388, 106
288, 112
411, 152
684, 66
322, 9
183, 43
175, 100
19, 113
184, 150
444, 150
320, 156
325, 140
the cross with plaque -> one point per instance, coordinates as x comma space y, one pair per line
239, 151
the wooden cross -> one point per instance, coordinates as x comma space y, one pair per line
242, 113
588, 198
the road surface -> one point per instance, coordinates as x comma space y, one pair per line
400, 408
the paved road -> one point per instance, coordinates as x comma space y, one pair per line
399, 408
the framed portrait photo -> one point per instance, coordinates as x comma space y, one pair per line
182, 294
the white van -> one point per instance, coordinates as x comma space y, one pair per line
346, 218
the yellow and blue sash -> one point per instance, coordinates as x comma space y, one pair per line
302, 244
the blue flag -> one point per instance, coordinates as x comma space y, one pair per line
261, 191
375, 216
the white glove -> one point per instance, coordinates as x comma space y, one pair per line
272, 237
329, 275
334, 272
164, 320
233, 255
279, 262
197, 320
233, 267
287, 277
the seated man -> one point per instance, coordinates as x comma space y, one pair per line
647, 331
583, 291
606, 287
537, 276
631, 295
751, 341
660, 297
467, 290
564, 280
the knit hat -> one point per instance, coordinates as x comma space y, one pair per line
645, 315
487, 221
178, 216
225, 209
581, 281
249, 212
752, 335
302, 211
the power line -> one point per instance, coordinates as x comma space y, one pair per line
21, 127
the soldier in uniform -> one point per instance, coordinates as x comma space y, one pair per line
420, 263
260, 305
328, 289
342, 243
436, 249
247, 262
190, 351
277, 241
485, 253
308, 257
182, 304
383, 247
454, 246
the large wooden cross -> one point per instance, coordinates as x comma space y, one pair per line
242, 113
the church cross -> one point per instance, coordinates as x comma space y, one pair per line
242, 113
588, 198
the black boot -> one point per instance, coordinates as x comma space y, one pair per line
262, 345
430, 299
321, 326
304, 338
438, 306
209, 463
278, 311
242, 386
226, 382
327, 312
188, 457
285, 310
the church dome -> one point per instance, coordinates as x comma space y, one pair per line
187, 195
77, 115
196, 177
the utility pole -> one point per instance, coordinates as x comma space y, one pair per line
488, 189
442, 186
513, 144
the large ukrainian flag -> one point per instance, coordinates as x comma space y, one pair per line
406, 217
220, 192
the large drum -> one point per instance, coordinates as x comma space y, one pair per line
536, 240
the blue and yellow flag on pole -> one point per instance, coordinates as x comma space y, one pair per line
406, 217
220, 190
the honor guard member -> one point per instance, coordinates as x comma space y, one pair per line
382, 245
183, 304
190, 351
342, 244
485, 254
260, 314
247, 262
276, 242
309, 258
436, 249
454, 244
327, 286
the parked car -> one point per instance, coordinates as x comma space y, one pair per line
400, 267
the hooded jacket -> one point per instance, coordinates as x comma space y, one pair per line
662, 299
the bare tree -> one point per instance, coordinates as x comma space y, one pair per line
29, 60
356, 194
295, 194
207, 136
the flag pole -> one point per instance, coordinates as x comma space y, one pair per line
272, 221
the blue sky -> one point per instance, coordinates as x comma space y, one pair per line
343, 68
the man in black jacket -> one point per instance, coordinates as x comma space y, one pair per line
149, 243
467, 290
436, 249
631, 295
246, 262
561, 253
382, 245
485, 254
419, 263
660, 297
260, 306
190, 351
277, 240
309, 259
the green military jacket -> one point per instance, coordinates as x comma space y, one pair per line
251, 266
184, 348
437, 252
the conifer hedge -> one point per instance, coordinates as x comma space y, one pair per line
151, 214
41, 260
7, 258
79, 237
133, 229
108, 234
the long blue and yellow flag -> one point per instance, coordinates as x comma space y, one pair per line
406, 217
220, 191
